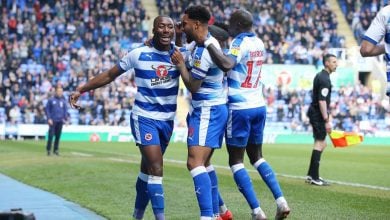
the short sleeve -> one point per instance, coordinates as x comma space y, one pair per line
377, 29
235, 50
201, 63
127, 62
324, 89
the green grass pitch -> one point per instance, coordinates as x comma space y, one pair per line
101, 177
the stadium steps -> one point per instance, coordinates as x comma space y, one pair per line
151, 10
343, 26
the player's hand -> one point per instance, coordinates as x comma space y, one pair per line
328, 127
177, 58
73, 98
50, 122
178, 29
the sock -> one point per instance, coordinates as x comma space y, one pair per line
256, 210
142, 197
315, 164
269, 177
222, 206
244, 184
156, 195
214, 188
202, 185
280, 201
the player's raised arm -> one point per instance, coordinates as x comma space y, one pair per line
100, 80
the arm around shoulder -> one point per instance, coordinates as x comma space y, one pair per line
223, 61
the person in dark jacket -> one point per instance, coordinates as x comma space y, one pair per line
56, 113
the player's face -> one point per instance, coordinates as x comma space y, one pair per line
332, 64
187, 26
164, 30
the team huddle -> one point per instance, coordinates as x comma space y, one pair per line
227, 101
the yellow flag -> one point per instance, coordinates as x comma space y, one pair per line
345, 139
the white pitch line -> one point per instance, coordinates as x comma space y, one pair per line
81, 154
295, 177
253, 171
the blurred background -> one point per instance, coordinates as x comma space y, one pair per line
44, 44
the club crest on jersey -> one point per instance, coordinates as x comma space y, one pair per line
148, 136
162, 74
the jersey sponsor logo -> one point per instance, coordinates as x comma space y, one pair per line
324, 92
162, 75
148, 136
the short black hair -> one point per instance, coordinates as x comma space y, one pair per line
326, 57
198, 12
243, 17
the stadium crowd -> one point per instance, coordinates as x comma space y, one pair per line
48, 43
359, 14
294, 32
353, 108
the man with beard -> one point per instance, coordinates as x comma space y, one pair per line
206, 120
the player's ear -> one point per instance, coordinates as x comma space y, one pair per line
197, 25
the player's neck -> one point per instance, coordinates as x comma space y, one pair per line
159, 46
329, 71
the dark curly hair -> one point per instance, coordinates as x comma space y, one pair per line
198, 12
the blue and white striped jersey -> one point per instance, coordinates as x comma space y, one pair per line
211, 91
245, 89
157, 81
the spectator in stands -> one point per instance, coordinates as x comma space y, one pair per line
246, 116
57, 114
286, 30
49, 41
319, 117
154, 109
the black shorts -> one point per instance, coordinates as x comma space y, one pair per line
318, 123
